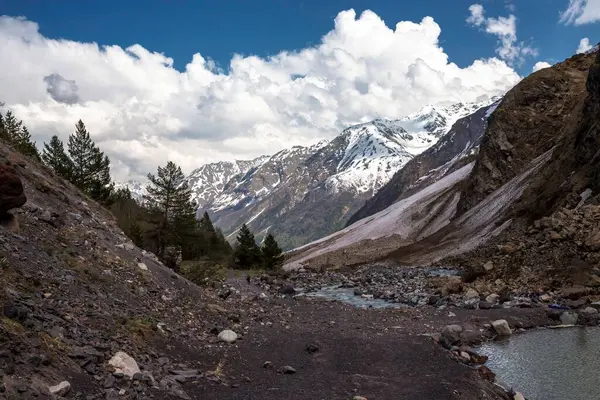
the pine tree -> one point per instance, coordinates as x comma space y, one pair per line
247, 253
135, 233
24, 145
91, 168
173, 214
271, 253
3, 132
55, 157
12, 126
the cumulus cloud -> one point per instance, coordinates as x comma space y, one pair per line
580, 12
61, 89
505, 28
584, 45
143, 112
540, 65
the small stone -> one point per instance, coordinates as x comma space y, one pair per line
589, 310
137, 376
518, 396
312, 348
267, 364
485, 305
501, 327
545, 298
575, 292
286, 369
488, 266
568, 318
61, 389
143, 266
227, 336
492, 298
359, 398
109, 382
465, 356
432, 301
472, 294
486, 373
288, 290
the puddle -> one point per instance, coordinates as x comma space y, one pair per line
549, 364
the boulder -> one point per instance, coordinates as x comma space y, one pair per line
453, 285
501, 327
227, 336
452, 333
125, 364
287, 290
61, 389
492, 298
472, 294
568, 318
574, 292
11, 190
589, 310
485, 305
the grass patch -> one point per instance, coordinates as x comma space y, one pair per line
203, 272
13, 327
141, 329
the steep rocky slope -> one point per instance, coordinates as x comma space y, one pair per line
539, 153
456, 148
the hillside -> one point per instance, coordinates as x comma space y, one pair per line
87, 314
538, 151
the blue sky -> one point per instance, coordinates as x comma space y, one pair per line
204, 81
218, 29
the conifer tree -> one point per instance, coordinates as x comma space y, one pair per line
91, 168
55, 157
247, 252
3, 132
24, 145
271, 253
12, 126
173, 214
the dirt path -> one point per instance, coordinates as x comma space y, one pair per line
378, 354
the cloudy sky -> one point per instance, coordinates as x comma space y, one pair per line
197, 83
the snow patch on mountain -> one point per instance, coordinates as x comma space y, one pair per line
137, 188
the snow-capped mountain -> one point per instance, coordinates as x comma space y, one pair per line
137, 188
303, 193
208, 181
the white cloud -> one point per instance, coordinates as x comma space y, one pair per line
584, 45
540, 65
143, 112
580, 12
505, 28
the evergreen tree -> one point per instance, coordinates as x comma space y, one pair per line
55, 157
247, 253
135, 233
91, 168
3, 132
24, 145
12, 126
271, 253
172, 212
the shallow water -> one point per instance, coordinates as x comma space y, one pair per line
549, 364
346, 295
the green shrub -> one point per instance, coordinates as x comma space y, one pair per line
203, 272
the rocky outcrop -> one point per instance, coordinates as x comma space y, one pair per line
11, 191
532, 118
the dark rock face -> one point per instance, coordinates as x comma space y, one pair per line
11, 190
536, 115
454, 150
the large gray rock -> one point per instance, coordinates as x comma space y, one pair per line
452, 333
227, 336
501, 327
61, 389
125, 364
568, 318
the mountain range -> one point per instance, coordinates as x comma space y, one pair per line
303, 193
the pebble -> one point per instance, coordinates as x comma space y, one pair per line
286, 369
227, 336
568, 318
124, 363
359, 398
61, 389
589, 310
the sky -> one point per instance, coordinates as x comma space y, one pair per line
203, 81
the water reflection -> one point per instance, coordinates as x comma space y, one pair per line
346, 295
549, 364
